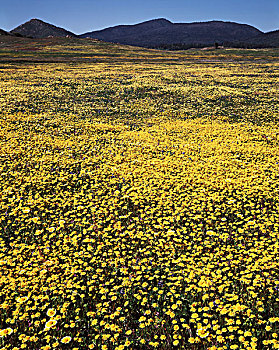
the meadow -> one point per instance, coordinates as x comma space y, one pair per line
138, 197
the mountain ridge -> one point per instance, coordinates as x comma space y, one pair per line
162, 33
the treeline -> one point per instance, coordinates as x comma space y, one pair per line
179, 46
239, 45
247, 45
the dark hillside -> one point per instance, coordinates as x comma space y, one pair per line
36, 28
270, 39
3, 32
160, 32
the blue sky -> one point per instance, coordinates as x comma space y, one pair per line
87, 15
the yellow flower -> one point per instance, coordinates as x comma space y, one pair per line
21, 299
148, 186
247, 334
5, 332
51, 312
202, 333
51, 323
66, 340
220, 339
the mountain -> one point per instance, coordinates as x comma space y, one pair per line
161, 32
130, 30
9, 34
3, 32
270, 39
37, 28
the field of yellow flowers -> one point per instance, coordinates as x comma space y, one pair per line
139, 199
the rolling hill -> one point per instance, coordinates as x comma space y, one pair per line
158, 32
270, 39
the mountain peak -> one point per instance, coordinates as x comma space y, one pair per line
36, 28
155, 23
159, 20
35, 20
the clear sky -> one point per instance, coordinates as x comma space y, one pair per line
80, 16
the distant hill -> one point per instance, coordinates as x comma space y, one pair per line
3, 32
37, 28
161, 32
9, 34
270, 39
